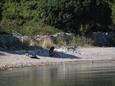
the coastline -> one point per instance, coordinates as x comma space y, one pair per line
86, 55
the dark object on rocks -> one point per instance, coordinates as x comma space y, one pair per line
34, 57
51, 51
32, 54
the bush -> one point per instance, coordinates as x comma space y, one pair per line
61, 42
81, 41
35, 28
75, 41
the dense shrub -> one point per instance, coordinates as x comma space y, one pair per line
69, 15
29, 16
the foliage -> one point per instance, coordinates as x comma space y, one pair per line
31, 17
81, 41
113, 13
69, 15
34, 28
1, 5
75, 41
61, 42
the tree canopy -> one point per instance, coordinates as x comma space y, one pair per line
70, 15
67, 15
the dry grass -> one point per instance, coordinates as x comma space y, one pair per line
47, 43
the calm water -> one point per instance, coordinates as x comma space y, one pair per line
96, 74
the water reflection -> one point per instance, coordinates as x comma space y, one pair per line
96, 74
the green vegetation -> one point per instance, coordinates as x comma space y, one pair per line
36, 28
32, 17
22, 16
74, 41
70, 15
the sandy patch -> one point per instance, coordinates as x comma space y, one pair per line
10, 60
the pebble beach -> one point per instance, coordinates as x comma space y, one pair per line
10, 60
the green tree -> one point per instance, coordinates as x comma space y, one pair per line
1, 8
69, 15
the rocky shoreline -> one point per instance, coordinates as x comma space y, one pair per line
10, 60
